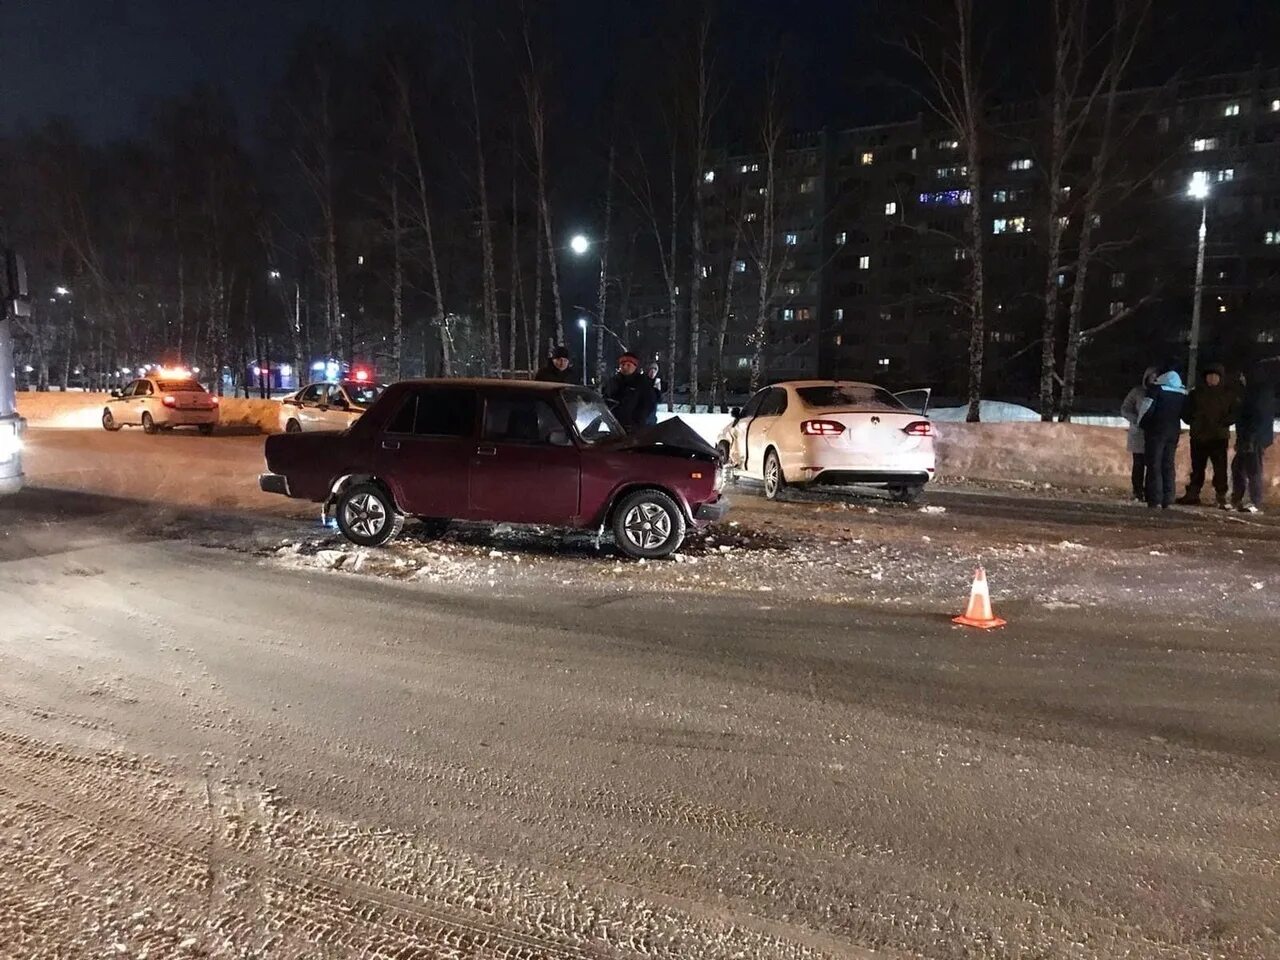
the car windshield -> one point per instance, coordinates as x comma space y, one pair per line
363, 394
180, 386
591, 417
849, 395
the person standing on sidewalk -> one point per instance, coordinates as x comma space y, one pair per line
1161, 423
1130, 409
1255, 432
1211, 410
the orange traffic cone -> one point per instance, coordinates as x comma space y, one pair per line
979, 613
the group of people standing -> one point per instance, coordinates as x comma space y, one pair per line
1156, 410
632, 393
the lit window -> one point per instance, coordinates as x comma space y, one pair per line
1231, 110
762, 191
946, 173
744, 363
864, 262
745, 168
999, 196
1117, 280
961, 253
752, 217
867, 159
1022, 163
1272, 238
838, 313
755, 168
1267, 336
739, 266
1096, 220
1227, 175
1163, 124
706, 272
1204, 143
915, 152
1010, 225
1115, 308
947, 198
803, 313
884, 363
808, 186
709, 177
948, 144
842, 238
1064, 222
890, 209
360, 260
788, 313
838, 340
1275, 106
791, 239
886, 316
793, 289
1215, 176
1062, 280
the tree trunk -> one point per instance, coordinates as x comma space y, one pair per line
602, 297
493, 333
673, 288
515, 262
397, 279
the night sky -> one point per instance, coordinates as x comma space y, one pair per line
103, 62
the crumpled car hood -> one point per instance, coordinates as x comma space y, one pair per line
669, 436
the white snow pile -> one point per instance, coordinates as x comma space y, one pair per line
990, 411
83, 411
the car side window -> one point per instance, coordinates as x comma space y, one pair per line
521, 419
144, 388
753, 405
311, 394
774, 404
130, 389
436, 412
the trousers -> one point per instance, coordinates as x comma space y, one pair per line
1204, 452
1246, 476
1161, 454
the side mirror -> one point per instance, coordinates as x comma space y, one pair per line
115, 394
558, 438
736, 413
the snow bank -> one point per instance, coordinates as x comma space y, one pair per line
83, 411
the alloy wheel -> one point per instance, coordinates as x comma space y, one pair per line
647, 525
365, 515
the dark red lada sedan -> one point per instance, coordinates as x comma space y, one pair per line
503, 451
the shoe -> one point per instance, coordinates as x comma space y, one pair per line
1187, 500
1222, 504
1248, 508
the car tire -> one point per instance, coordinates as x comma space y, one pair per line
109, 422
148, 424
907, 494
206, 429
648, 525
293, 426
367, 516
433, 528
774, 481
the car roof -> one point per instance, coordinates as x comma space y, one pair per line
797, 384
490, 383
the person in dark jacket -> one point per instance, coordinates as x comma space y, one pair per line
1211, 410
558, 369
631, 395
1255, 432
1161, 423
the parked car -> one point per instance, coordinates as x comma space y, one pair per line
327, 406
811, 432
162, 401
502, 451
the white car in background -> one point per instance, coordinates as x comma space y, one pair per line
159, 401
810, 432
327, 406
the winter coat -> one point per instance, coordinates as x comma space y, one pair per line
1210, 411
1136, 442
550, 374
1255, 426
633, 399
1161, 411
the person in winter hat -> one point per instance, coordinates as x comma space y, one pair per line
1136, 443
558, 368
1160, 417
1211, 410
1255, 432
631, 395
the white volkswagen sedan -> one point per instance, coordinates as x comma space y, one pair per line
809, 432
327, 406
161, 401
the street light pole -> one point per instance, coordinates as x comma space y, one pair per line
1198, 190
582, 322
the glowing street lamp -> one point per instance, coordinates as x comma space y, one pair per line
1198, 189
62, 291
580, 244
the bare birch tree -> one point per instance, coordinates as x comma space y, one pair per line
602, 296
489, 298
764, 253
536, 104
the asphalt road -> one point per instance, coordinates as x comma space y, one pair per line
206, 753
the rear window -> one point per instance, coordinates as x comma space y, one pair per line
181, 386
436, 413
849, 395
362, 394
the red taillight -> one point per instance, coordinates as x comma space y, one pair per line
918, 428
170, 401
821, 428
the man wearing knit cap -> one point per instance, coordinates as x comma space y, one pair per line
558, 369
631, 395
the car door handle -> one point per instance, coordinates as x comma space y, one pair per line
487, 451
390, 444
